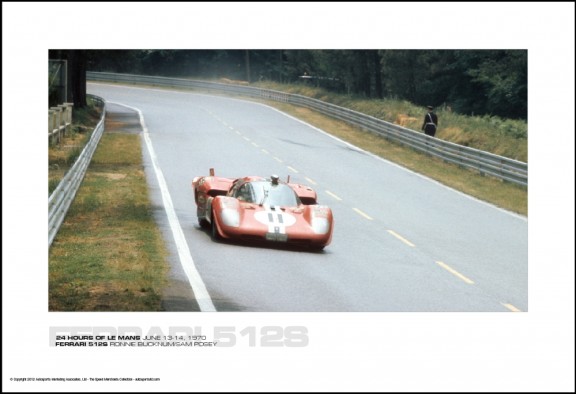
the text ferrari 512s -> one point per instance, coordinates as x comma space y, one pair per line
262, 209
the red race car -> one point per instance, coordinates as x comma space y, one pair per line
262, 209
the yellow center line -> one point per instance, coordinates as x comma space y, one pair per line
453, 271
511, 307
256, 145
310, 181
333, 195
265, 151
359, 212
292, 169
246, 138
401, 238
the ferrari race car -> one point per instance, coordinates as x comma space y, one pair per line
262, 209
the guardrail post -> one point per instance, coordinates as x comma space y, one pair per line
69, 107
68, 117
57, 122
62, 125
479, 161
51, 126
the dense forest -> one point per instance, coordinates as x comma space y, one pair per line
471, 82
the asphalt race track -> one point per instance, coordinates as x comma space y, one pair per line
402, 242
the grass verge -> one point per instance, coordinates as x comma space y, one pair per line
503, 137
109, 254
500, 193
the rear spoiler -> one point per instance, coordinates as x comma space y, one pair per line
306, 194
211, 184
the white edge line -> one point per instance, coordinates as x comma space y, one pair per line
510, 307
196, 282
399, 166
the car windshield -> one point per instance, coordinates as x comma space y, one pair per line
274, 195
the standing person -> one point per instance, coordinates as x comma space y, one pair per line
430, 122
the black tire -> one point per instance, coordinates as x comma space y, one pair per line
203, 223
317, 248
214, 230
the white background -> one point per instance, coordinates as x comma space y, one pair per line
532, 351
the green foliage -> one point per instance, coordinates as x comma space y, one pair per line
472, 82
87, 116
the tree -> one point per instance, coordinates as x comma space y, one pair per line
77, 63
503, 76
377, 70
77, 60
401, 73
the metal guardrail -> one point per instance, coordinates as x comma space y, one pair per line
59, 119
61, 198
485, 163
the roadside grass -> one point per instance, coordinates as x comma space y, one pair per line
504, 137
109, 254
502, 194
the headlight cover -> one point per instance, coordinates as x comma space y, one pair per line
320, 222
230, 217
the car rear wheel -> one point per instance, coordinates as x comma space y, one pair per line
214, 229
202, 221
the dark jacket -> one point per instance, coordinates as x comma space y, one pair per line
430, 123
